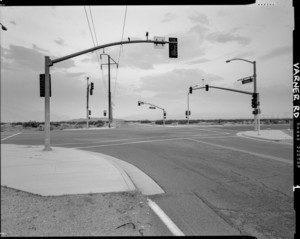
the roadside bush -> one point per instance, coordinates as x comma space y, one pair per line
99, 123
145, 121
32, 124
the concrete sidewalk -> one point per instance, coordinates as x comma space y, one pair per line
64, 171
274, 135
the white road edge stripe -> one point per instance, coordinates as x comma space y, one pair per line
166, 220
11, 136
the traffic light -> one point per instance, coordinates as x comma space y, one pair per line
42, 85
165, 113
173, 49
139, 103
254, 100
90, 112
206, 87
92, 88
104, 112
191, 90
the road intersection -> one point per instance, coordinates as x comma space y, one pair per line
215, 182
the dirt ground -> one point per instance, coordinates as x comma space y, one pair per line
110, 214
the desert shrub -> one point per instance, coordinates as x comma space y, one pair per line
145, 121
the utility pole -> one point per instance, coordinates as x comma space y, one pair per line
109, 90
87, 102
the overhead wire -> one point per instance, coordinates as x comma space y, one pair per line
121, 48
95, 42
100, 63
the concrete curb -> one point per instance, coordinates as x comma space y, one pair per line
61, 171
64, 171
271, 135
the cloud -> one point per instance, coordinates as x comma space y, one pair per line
227, 37
199, 29
60, 42
201, 60
23, 58
277, 52
199, 18
20, 57
35, 47
174, 83
168, 17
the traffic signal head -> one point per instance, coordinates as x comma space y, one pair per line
165, 113
173, 49
191, 90
206, 87
92, 85
91, 91
254, 100
139, 103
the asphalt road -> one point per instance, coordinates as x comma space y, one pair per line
216, 183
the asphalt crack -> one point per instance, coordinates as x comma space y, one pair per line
219, 214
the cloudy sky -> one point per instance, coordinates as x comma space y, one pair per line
207, 37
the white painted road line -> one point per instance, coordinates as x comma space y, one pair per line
150, 141
11, 136
247, 152
166, 220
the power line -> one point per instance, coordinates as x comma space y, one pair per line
121, 47
97, 53
89, 26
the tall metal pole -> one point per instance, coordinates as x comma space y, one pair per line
258, 101
188, 108
87, 103
47, 105
49, 62
255, 91
109, 94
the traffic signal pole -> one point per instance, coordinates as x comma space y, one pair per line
238, 91
163, 110
87, 102
188, 108
47, 104
256, 116
49, 63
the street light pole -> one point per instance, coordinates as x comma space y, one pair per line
257, 109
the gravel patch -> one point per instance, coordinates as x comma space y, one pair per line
109, 214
